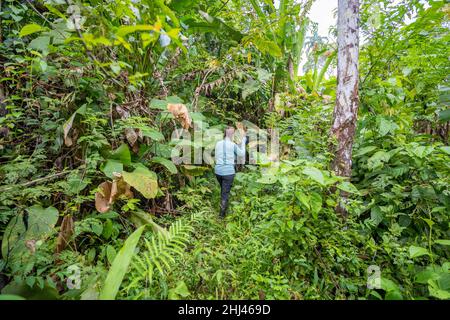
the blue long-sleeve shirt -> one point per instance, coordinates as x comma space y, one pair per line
225, 155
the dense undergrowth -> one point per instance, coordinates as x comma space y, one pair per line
84, 109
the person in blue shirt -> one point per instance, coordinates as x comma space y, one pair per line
226, 153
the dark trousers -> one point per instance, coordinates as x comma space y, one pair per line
225, 183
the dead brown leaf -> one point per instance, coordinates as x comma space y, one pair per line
181, 113
31, 245
118, 188
103, 196
65, 233
110, 191
131, 135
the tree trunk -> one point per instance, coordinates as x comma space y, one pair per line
346, 109
347, 100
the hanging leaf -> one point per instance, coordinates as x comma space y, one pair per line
263, 75
181, 113
387, 126
68, 125
109, 192
213, 25
392, 290
364, 151
102, 197
65, 233
110, 253
378, 159
376, 215
445, 149
143, 180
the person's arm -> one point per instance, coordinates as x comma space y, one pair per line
217, 152
240, 149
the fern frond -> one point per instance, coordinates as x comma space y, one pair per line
159, 252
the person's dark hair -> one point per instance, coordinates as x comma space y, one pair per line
226, 129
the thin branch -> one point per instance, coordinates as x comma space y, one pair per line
36, 181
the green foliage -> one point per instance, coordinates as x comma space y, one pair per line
119, 266
143, 180
81, 102
156, 257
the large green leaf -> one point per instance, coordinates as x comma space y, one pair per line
111, 166
266, 46
40, 223
125, 30
20, 288
267, 179
180, 291
122, 154
30, 29
391, 288
215, 25
444, 242
415, 252
316, 204
376, 215
378, 159
152, 133
386, 126
444, 115
363, 151
40, 43
193, 171
303, 198
168, 164
348, 187
315, 174
250, 87
11, 297
143, 180
436, 291
158, 104
120, 266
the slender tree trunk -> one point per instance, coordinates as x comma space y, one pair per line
346, 109
347, 100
